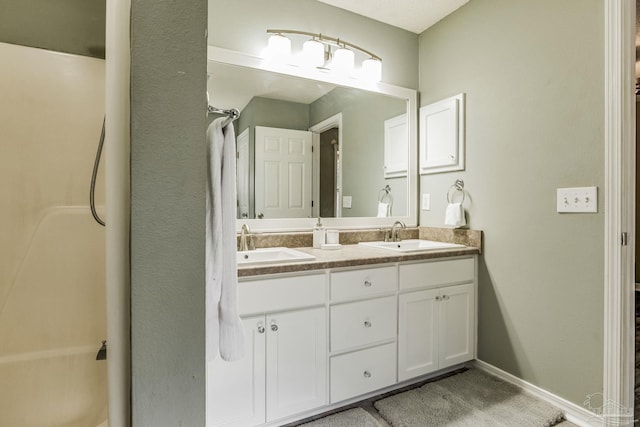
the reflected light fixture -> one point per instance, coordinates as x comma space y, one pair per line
317, 53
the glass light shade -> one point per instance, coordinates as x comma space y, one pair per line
342, 62
372, 70
313, 53
279, 49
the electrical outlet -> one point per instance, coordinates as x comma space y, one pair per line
579, 199
426, 201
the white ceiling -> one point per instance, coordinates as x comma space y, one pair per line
411, 15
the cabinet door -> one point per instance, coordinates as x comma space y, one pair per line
418, 333
457, 324
236, 390
296, 362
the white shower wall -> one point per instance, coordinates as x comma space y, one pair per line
52, 273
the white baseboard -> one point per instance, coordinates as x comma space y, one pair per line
572, 412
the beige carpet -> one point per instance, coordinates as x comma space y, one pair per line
468, 399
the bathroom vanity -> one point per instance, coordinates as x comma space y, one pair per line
350, 324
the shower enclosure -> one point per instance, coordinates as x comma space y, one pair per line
52, 253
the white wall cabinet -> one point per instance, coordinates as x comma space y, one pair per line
436, 329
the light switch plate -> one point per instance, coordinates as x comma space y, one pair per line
346, 202
426, 202
577, 200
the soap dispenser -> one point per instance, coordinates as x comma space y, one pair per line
318, 235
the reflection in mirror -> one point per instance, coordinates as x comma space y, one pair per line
309, 148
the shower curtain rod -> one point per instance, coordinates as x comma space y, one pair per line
232, 114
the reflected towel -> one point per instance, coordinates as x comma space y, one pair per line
454, 215
224, 333
383, 210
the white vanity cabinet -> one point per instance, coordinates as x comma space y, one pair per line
319, 339
284, 371
437, 316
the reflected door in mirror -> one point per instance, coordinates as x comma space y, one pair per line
283, 173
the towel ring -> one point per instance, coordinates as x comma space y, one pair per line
384, 195
458, 187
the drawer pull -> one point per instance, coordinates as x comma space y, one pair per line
274, 327
260, 328
367, 324
367, 374
367, 283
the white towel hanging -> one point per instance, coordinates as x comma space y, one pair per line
224, 333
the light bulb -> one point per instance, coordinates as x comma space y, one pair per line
372, 70
313, 53
343, 61
279, 49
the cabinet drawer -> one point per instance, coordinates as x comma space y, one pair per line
284, 293
362, 371
436, 273
363, 322
362, 283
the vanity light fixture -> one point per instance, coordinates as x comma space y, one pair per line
279, 49
317, 53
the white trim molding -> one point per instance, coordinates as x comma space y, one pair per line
572, 412
118, 213
619, 137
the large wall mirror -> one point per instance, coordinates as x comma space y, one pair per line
311, 145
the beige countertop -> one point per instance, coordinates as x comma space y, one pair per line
350, 256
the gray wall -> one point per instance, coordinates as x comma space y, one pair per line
71, 26
363, 116
241, 25
168, 124
533, 75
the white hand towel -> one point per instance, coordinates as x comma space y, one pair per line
454, 215
224, 334
383, 210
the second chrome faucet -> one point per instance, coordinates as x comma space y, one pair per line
392, 235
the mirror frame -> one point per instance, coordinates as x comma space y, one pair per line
230, 57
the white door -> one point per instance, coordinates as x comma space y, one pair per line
418, 333
296, 362
282, 173
236, 390
242, 173
457, 324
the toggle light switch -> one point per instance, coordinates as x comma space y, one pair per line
576, 200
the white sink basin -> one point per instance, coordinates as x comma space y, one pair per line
412, 245
271, 256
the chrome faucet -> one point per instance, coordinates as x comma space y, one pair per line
394, 237
245, 238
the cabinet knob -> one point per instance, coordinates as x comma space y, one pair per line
367, 324
445, 297
438, 298
367, 374
260, 328
274, 327
367, 283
